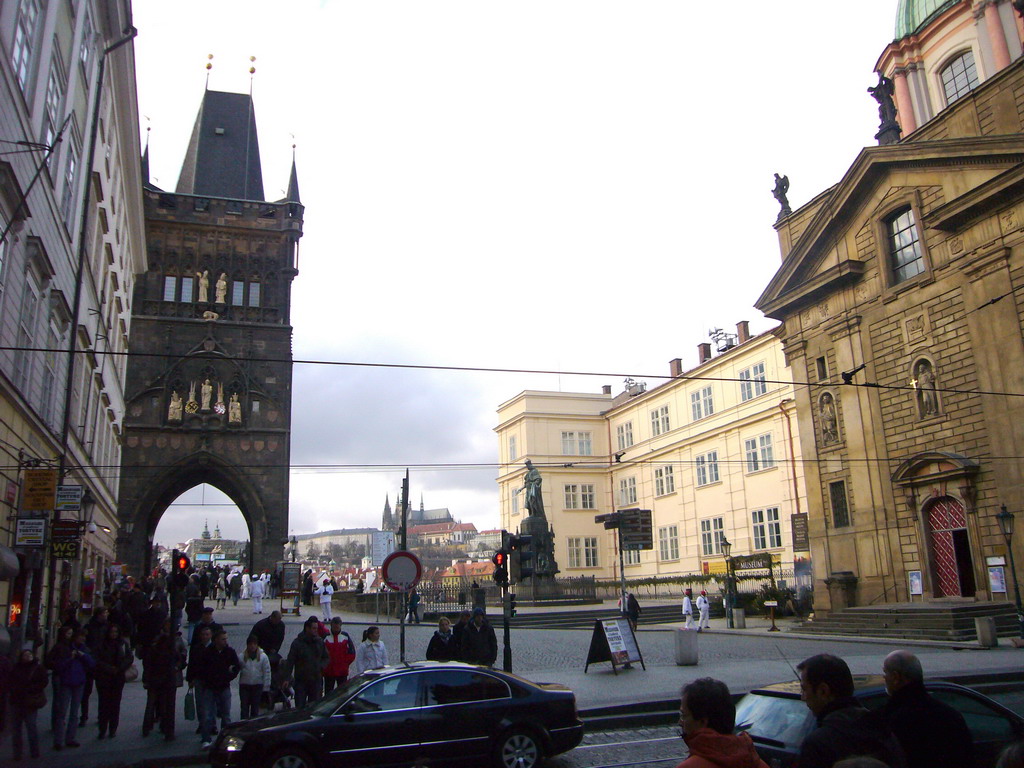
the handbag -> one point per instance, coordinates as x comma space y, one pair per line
190, 704
131, 674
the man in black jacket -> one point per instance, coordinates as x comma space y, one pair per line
270, 635
845, 728
479, 645
932, 733
213, 668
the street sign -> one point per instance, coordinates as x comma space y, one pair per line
69, 498
65, 538
637, 529
39, 489
401, 571
382, 545
31, 532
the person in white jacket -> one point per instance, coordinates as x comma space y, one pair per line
688, 609
705, 610
257, 588
371, 653
326, 591
254, 678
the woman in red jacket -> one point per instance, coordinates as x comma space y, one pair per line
707, 717
342, 651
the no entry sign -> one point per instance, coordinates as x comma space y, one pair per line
401, 571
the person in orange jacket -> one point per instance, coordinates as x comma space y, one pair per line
342, 651
707, 717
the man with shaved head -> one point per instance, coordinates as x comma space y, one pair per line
932, 733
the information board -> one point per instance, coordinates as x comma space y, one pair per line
291, 577
31, 532
613, 640
39, 489
383, 544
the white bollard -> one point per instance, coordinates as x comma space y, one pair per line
686, 647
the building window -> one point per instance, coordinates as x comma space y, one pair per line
840, 510
712, 531
707, 468
959, 77
576, 444
254, 294
27, 320
237, 293
759, 453
624, 433
85, 48
24, 40
582, 551
631, 557
170, 287
187, 289
767, 532
4, 253
70, 181
701, 403
579, 496
47, 394
752, 382
821, 366
54, 97
513, 449
659, 421
664, 480
904, 246
668, 542
627, 491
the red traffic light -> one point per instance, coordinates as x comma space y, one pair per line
500, 558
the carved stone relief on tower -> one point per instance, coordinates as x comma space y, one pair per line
828, 415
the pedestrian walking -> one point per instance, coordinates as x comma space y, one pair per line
273, 584
253, 679
113, 658
414, 608
688, 608
326, 593
629, 606
217, 665
307, 587
235, 582
246, 585
707, 717
162, 666
479, 644
256, 589
704, 608
371, 653
442, 645
65, 635
95, 633
27, 695
193, 605
222, 590
342, 652
206, 620
304, 667
70, 661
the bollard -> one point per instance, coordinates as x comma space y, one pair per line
686, 647
739, 618
985, 626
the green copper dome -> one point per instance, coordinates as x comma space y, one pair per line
911, 15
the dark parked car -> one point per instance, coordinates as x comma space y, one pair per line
778, 720
444, 713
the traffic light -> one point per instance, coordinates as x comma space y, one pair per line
500, 561
511, 604
179, 563
520, 558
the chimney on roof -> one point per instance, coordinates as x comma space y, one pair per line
743, 331
675, 367
704, 352
606, 389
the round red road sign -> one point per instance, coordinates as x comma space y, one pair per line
401, 571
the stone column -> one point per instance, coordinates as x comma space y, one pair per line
904, 104
996, 38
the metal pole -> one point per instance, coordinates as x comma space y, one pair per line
507, 654
1016, 586
405, 538
728, 592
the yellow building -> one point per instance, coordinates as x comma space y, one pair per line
899, 294
712, 452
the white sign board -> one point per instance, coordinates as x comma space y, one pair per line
621, 642
31, 532
383, 545
69, 498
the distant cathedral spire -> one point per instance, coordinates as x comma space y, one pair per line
387, 522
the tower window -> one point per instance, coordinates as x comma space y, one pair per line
904, 246
959, 77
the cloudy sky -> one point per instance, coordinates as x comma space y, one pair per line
556, 185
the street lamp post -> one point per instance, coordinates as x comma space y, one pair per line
726, 551
1006, 521
293, 546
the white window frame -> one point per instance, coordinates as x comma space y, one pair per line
627, 491
579, 495
513, 449
706, 466
668, 542
624, 434
712, 531
577, 443
582, 551
23, 45
702, 403
660, 422
28, 324
759, 453
753, 382
631, 557
766, 528
664, 480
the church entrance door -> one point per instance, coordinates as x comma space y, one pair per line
952, 565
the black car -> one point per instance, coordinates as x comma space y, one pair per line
440, 713
777, 720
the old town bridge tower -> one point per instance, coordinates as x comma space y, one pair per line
209, 370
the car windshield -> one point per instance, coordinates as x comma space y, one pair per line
778, 719
329, 704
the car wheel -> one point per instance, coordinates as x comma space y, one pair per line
518, 749
290, 758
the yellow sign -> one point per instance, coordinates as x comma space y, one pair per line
39, 489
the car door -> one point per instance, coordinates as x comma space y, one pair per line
463, 710
379, 726
991, 729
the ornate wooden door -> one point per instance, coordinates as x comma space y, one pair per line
945, 515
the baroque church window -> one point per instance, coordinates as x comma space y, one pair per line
959, 77
907, 258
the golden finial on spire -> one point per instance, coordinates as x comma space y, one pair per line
209, 66
252, 70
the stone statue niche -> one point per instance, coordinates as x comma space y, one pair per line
925, 391
829, 419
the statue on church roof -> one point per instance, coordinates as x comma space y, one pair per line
888, 129
779, 193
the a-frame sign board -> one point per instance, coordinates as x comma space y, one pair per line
613, 640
